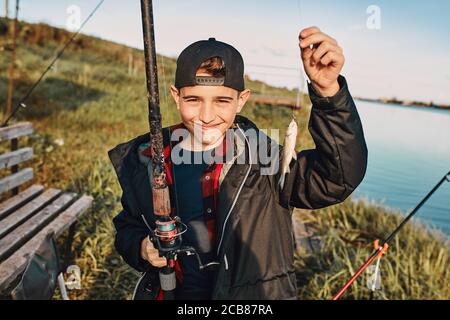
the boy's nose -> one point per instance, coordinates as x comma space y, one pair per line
207, 113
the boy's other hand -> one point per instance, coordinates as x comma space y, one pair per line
323, 62
151, 254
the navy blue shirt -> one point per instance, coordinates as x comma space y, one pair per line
197, 284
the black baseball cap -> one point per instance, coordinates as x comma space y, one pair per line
195, 54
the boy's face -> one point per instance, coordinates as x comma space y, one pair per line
208, 111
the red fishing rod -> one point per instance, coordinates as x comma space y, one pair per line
382, 247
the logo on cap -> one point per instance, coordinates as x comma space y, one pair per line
209, 81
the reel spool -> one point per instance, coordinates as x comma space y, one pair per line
167, 235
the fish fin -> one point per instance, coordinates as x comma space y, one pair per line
281, 181
288, 168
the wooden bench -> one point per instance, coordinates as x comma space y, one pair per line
26, 217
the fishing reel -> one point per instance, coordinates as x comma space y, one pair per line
167, 238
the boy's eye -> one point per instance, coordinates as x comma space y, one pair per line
224, 101
192, 100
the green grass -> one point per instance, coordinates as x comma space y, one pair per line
415, 266
93, 103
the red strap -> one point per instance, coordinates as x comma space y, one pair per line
160, 295
216, 176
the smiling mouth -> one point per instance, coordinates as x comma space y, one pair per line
209, 127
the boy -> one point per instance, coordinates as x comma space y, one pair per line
238, 218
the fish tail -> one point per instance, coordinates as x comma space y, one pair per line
281, 181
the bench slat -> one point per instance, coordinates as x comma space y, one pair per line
19, 200
19, 216
16, 130
7, 160
23, 233
15, 265
16, 179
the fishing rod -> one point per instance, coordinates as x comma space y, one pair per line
161, 199
167, 235
21, 103
383, 246
160, 188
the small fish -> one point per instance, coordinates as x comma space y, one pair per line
288, 150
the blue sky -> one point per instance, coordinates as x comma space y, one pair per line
407, 58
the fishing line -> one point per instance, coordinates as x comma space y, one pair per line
302, 75
21, 103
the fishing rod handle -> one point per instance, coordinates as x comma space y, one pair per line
167, 279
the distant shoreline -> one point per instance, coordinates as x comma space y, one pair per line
406, 103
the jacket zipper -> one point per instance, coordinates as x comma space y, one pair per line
137, 285
226, 261
239, 191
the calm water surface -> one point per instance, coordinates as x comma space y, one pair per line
409, 152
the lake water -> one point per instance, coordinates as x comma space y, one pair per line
409, 152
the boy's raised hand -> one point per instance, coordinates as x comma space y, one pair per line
323, 62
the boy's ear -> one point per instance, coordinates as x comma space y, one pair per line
175, 95
242, 99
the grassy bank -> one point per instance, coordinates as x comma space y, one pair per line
92, 101
415, 267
